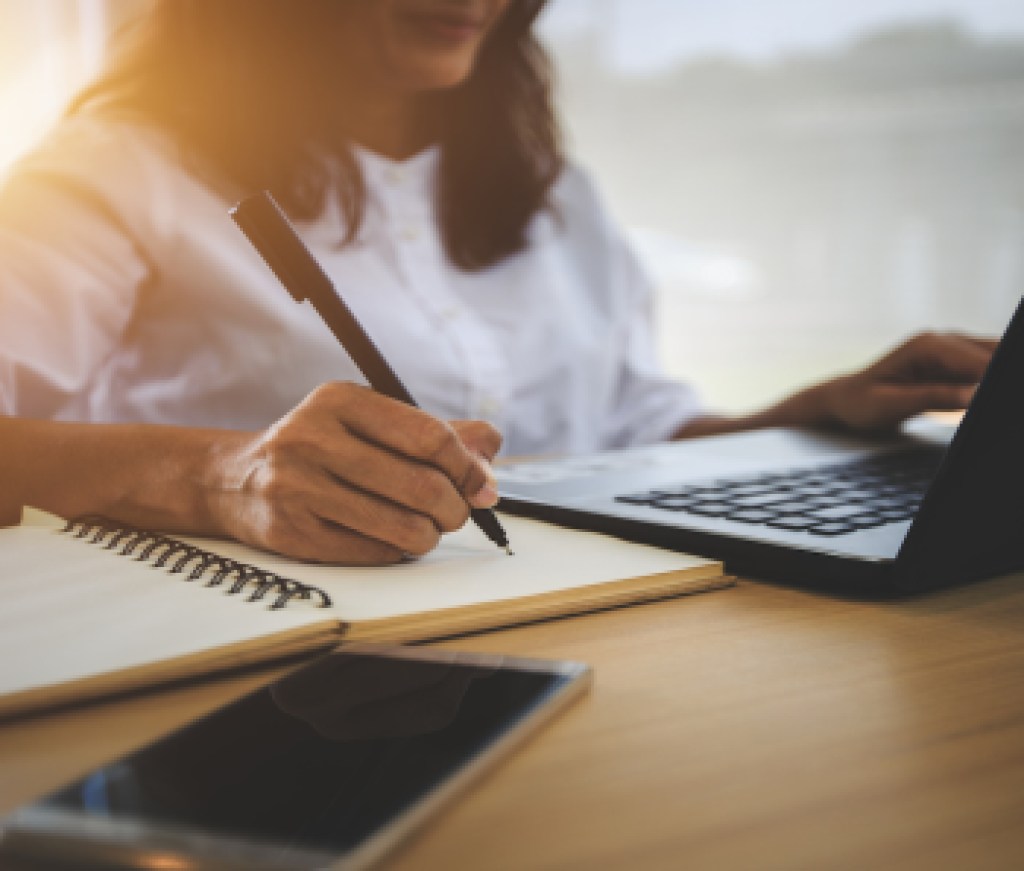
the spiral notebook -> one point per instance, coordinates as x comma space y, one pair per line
91, 608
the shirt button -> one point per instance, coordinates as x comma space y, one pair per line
450, 314
393, 174
410, 233
489, 406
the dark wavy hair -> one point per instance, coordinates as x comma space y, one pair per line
241, 84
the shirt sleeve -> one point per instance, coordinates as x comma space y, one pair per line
649, 405
69, 274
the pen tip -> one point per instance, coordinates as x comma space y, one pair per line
508, 550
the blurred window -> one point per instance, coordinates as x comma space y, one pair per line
48, 49
807, 181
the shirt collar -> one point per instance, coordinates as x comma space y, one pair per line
413, 176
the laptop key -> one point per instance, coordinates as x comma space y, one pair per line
793, 506
867, 520
839, 512
817, 503
672, 503
751, 490
856, 494
817, 489
886, 503
831, 527
710, 509
635, 499
893, 515
792, 522
750, 515
758, 500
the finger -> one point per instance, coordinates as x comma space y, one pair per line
931, 357
482, 439
479, 436
487, 496
372, 469
985, 343
341, 546
303, 511
314, 540
374, 517
404, 430
895, 403
966, 356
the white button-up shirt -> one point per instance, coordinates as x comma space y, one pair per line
128, 294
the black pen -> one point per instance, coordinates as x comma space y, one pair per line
272, 235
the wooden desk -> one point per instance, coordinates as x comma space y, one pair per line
755, 727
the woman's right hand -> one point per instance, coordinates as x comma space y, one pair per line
351, 476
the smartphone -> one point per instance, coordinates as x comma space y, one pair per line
331, 766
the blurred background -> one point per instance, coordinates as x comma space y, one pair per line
807, 181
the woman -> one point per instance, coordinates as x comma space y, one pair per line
152, 369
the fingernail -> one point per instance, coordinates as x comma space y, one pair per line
487, 495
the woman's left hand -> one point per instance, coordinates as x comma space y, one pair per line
932, 371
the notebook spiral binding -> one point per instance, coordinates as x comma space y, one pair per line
163, 551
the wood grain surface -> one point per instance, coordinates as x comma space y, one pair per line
756, 727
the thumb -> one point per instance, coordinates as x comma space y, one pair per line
487, 495
479, 437
483, 441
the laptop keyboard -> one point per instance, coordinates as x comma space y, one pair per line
835, 499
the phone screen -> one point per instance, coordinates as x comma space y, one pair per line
322, 758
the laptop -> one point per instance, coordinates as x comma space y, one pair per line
906, 514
